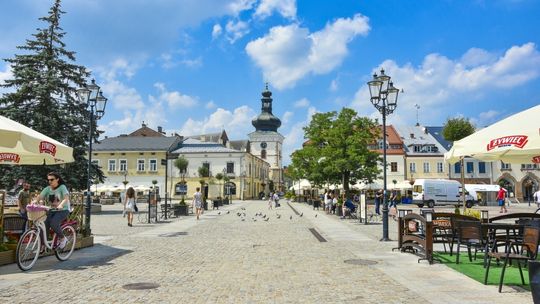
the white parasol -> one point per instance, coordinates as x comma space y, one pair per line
20, 145
515, 139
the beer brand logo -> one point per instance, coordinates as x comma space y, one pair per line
536, 159
9, 157
47, 147
519, 141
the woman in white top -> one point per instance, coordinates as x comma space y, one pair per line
129, 205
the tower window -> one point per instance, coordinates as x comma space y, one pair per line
263, 154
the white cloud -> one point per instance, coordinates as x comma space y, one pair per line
236, 30
485, 118
334, 85
210, 105
287, 117
289, 53
440, 80
216, 31
295, 137
238, 6
301, 103
287, 8
5, 75
236, 123
175, 99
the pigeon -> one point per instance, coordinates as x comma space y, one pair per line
316, 215
266, 220
238, 214
301, 214
243, 219
228, 212
264, 216
290, 217
219, 213
278, 216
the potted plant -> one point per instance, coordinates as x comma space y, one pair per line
182, 208
7, 256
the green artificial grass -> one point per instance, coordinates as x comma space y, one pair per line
476, 270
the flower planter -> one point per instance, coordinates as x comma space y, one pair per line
181, 210
7, 257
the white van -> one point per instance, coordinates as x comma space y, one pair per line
432, 192
486, 191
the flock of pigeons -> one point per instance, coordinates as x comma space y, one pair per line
258, 216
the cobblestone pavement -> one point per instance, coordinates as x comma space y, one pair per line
224, 259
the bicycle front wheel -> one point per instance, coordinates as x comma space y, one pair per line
63, 254
28, 249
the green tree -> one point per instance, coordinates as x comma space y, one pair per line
337, 149
181, 164
203, 173
455, 129
219, 178
43, 97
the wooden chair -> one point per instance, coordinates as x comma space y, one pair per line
469, 234
527, 250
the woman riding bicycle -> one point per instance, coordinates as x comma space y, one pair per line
58, 196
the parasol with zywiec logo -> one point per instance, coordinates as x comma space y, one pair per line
515, 139
20, 145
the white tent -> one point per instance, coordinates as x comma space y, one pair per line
20, 145
515, 139
303, 184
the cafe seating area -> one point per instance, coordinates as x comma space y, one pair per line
497, 248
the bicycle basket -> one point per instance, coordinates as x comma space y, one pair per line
36, 215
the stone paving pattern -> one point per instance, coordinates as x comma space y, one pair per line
223, 259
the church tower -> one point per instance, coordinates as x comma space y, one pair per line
266, 142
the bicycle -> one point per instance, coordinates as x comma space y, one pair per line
34, 241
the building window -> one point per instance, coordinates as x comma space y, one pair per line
417, 148
263, 154
140, 164
505, 166
380, 144
440, 167
123, 165
529, 166
481, 167
207, 166
470, 167
412, 167
153, 165
230, 168
426, 167
112, 165
393, 166
457, 167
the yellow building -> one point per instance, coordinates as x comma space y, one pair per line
135, 159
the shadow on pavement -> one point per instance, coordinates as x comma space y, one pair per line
91, 257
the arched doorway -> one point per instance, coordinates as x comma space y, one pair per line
229, 189
529, 185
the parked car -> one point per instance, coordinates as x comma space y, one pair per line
436, 192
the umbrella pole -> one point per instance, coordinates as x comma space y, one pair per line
462, 162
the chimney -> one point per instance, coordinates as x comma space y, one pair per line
425, 130
160, 129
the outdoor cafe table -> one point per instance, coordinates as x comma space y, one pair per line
512, 232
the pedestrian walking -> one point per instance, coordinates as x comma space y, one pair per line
276, 199
378, 200
197, 202
23, 200
501, 195
270, 201
536, 197
129, 205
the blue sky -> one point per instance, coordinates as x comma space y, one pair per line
197, 66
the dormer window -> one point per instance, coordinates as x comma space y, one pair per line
412, 135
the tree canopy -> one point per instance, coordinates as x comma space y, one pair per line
337, 149
42, 96
457, 128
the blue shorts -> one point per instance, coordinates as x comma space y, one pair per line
501, 202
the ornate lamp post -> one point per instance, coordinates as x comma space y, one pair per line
92, 96
384, 98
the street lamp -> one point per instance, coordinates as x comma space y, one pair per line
384, 98
92, 96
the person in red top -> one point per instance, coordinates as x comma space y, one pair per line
500, 198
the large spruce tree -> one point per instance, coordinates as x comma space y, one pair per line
43, 97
